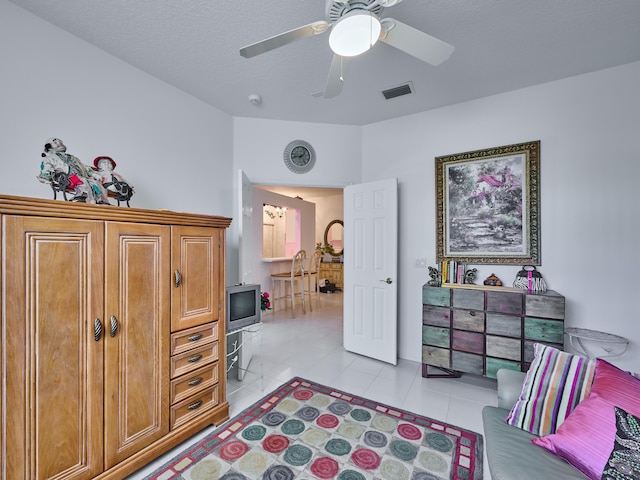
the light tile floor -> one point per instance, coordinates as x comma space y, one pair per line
310, 346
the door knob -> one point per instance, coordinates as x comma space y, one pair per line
388, 280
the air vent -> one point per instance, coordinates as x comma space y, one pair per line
398, 91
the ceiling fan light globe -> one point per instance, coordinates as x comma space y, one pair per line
354, 33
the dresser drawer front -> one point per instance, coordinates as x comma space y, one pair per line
193, 337
436, 296
436, 316
437, 357
467, 362
193, 382
436, 336
505, 325
495, 364
544, 330
502, 347
469, 299
547, 306
468, 341
505, 302
193, 406
469, 320
193, 359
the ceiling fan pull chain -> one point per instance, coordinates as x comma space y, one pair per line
341, 77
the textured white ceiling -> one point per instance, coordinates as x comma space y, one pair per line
501, 45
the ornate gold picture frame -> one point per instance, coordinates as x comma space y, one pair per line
488, 206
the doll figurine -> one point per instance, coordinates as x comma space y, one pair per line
112, 181
66, 172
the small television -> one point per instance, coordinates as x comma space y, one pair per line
243, 306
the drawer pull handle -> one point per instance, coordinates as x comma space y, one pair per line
195, 382
196, 337
97, 329
178, 278
472, 313
114, 326
193, 406
194, 359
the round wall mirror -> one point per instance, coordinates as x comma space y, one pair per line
333, 235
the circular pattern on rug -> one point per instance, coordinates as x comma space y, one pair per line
297, 455
339, 408
229, 476
254, 433
351, 430
403, 450
315, 437
278, 472
272, 419
394, 470
288, 406
438, 441
351, 475
422, 476
360, 415
375, 439
253, 462
275, 443
410, 432
384, 423
432, 462
303, 395
337, 446
308, 414
365, 459
324, 467
327, 421
292, 427
233, 450
207, 468
319, 401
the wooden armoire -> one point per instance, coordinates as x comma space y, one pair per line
112, 336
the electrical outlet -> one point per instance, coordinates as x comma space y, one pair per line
421, 263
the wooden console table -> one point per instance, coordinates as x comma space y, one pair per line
482, 329
333, 272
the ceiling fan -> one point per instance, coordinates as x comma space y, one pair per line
355, 27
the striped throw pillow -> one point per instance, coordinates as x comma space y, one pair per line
554, 385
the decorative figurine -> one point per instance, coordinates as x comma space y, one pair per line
435, 277
112, 181
65, 173
470, 276
493, 281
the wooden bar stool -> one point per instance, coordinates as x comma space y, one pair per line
291, 277
312, 272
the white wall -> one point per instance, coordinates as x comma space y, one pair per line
590, 214
175, 149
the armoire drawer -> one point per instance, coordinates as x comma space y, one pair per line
193, 406
193, 359
193, 337
193, 382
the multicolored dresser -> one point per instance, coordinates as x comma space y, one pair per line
480, 330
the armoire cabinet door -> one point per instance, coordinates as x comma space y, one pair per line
137, 310
196, 258
53, 389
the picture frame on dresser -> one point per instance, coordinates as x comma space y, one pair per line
488, 205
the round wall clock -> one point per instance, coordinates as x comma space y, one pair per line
299, 156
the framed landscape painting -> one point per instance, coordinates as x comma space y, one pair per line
488, 206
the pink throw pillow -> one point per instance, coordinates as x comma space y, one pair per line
587, 436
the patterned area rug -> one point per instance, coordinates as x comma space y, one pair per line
305, 430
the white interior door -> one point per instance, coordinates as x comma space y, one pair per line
244, 216
370, 269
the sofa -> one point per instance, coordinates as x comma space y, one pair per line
510, 453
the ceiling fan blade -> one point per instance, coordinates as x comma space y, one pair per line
414, 42
335, 79
276, 41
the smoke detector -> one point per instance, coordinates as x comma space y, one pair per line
255, 99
